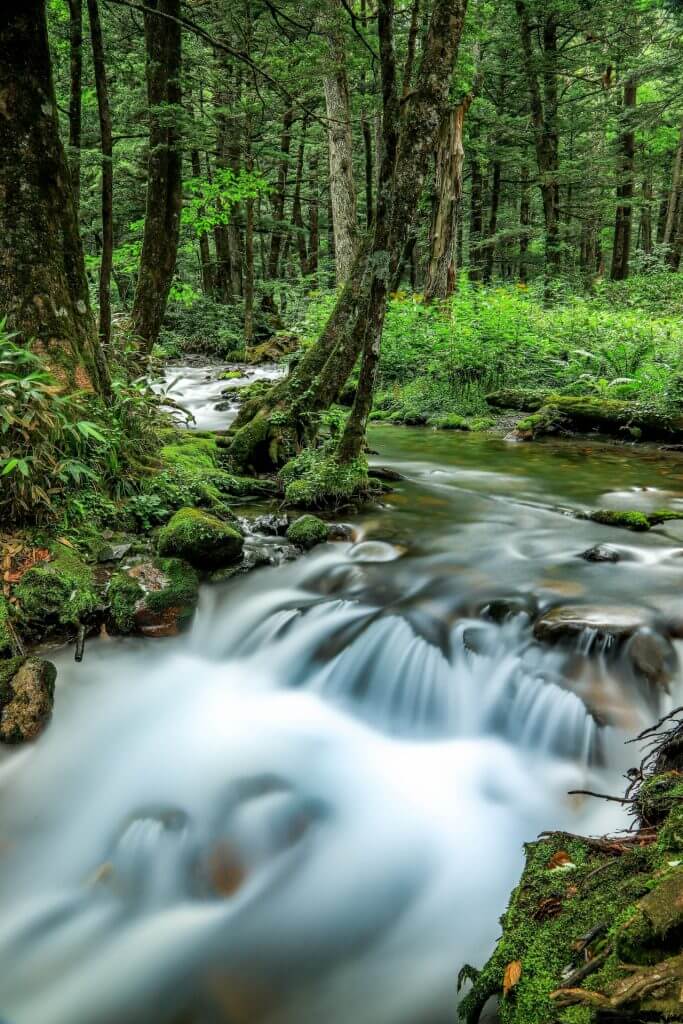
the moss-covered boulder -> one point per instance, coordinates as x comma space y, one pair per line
307, 531
275, 348
27, 687
155, 597
593, 414
317, 479
57, 597
203, 540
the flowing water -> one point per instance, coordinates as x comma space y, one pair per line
312, 806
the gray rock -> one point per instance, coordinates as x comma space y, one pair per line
653, 657
568, 622
26, 700
600, 553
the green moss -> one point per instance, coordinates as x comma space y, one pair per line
307, 531
525, 400
7, 642
123, 595
59, 593
203, 540
632, 519
658, 795
180, 591
547, 420
569, 887
449, 422
316, 479
231, 375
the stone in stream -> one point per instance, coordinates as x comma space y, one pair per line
600, 553
27, 687
569, 622
155, 597
203, 540
270, 524
653, 658
307, 531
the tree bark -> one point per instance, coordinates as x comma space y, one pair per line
340, 144
205, 266
674, 200
43, 287
313, 217
446, 205
494, 206
524, 223
278, 198
107, 149
164, 170
476, 214
249, 253
624, 215
543, 104
75, 103
297, 216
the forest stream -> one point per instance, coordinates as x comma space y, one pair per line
311, 807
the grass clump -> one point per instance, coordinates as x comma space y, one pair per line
317, 479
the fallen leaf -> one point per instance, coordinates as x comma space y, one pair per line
513, 972
559, 859
65, 541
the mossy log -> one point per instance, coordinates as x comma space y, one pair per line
591, 414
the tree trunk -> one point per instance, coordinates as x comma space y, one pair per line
476, 216
205, 266
674, 200
447, 204
313, 217
249, 255
107, 148
624, 215
340, 143
75, 104
543, 109
297, 216
646, 216
278, 197
493, 222
164, 170
524, 223
356, 322
43, 287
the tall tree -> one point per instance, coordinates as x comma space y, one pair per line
340, 143
164, 170
626, 169
75, 93
43, 288
107, 150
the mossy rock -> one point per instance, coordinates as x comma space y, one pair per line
524, 400
592, 414
634, 520
201, 539
55, 597
449, 422
274, 349
155, 597
316, 479
27, 687
307, 531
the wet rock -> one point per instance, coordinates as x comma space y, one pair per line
56, 597
272, 525
8, 643
274, 349
385, 473
653, 657
600, 553
568, 622
634, 520
340, 531
307, 531
501, 609
155, 598
113, 552
27, 687
201, 539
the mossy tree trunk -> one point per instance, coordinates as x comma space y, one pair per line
107, 150
410, 131
624, 215
164, 170
43, 287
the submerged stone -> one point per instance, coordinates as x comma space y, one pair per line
27, 687
568, 622
203, 540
